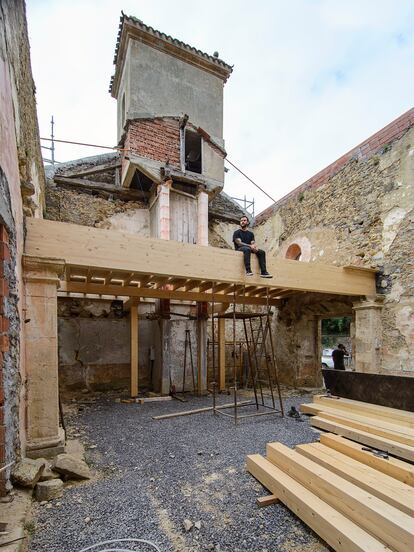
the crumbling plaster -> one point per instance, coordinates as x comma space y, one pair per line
87, 210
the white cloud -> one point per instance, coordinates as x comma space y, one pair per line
311, 79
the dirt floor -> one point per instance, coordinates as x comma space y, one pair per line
151, 475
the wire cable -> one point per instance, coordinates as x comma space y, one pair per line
118, 541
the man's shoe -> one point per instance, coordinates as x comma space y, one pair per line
265, 275
249, 273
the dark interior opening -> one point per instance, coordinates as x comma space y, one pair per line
185, 187
192, 151
140, 181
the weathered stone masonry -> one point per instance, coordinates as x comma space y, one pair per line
359, 211
21, 192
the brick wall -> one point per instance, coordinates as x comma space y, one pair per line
4, 343
157, 139
372, 145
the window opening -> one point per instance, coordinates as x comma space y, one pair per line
192, 151
336, 330
294, 252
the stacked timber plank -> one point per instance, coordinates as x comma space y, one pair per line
380, 427
352, 496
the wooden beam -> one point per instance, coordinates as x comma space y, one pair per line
268, 500
371, 410
201, 356
101, 188
386, 488
133, 291
364, 425
381, 443
337, 530
394, 528
222, 353
377, 426
398, 469
191, 285
134, 349
97, 169
114, 250
204, 286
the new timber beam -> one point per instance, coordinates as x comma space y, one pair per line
134, 291
86, 247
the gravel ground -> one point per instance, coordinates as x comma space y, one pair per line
151, 475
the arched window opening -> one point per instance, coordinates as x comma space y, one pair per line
294, 252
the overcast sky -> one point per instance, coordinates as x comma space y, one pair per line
311, 79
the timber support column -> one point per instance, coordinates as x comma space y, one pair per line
202, 348
41, 277
222, 353
368, 336
134, 349
202, 311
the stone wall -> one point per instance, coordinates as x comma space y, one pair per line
360, 213
21, 190
82, 208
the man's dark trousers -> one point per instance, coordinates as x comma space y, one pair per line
261, 257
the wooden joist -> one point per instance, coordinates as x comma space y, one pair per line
135, 291
398, 469
336, 529
119, 251
365, 425
391, 526
394, 415
383, 486
381, 443
389, 428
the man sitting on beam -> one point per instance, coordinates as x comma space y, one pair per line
243, 241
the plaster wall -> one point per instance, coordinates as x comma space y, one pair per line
94, 346
160, 84
212, 163
361, 216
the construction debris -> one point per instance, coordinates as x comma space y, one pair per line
188, 525
48, 490
71, 467
27, 472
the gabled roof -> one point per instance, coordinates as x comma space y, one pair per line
159, 40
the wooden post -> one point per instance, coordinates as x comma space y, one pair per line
202, 348
222, 353
134, 349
